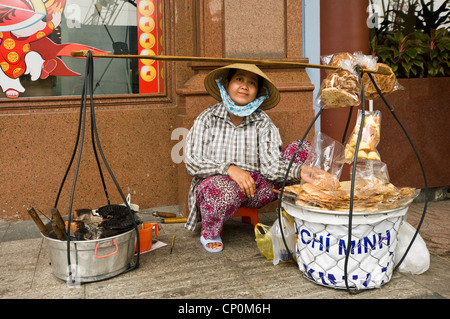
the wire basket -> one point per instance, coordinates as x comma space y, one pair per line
322, 244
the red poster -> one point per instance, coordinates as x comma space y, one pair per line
149, 21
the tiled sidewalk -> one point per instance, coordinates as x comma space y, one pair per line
239, 272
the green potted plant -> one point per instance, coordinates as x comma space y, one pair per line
414, 40
437, 53
416, 54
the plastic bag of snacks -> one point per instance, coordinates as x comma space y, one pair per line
263, 239
372, 187
343, 60
386, 83
341, 87
368, 62
328, 155
367, 170
369, 139
373, 190
320, 173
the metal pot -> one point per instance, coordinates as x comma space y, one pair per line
92, 260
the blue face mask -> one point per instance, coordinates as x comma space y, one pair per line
240, 110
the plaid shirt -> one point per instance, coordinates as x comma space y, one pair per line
214, 143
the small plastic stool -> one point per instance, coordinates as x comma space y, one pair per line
248, 215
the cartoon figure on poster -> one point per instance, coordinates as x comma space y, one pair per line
24, 46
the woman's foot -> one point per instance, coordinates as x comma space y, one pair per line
214, 245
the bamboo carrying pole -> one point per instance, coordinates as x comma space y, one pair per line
83, 53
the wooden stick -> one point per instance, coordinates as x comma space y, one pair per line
83, 53
59, 221
173, 242
173, 220
58, 232
285, 193
32, 212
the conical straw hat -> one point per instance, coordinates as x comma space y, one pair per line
213, 89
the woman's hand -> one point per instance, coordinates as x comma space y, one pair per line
243, 179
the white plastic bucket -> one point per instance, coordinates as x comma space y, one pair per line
322, 241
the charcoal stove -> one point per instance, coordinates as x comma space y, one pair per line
119, 227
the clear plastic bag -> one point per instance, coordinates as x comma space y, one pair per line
371, 179
386, 83
263, 239
344, 60
341, 88
328, 156
369, 139
368, 62
373, 190
372, 174
279, 248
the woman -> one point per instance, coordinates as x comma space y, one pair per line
233, 151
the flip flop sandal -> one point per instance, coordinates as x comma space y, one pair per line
205, 241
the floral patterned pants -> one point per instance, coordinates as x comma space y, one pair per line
219, 197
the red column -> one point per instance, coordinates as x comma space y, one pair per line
343, 28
